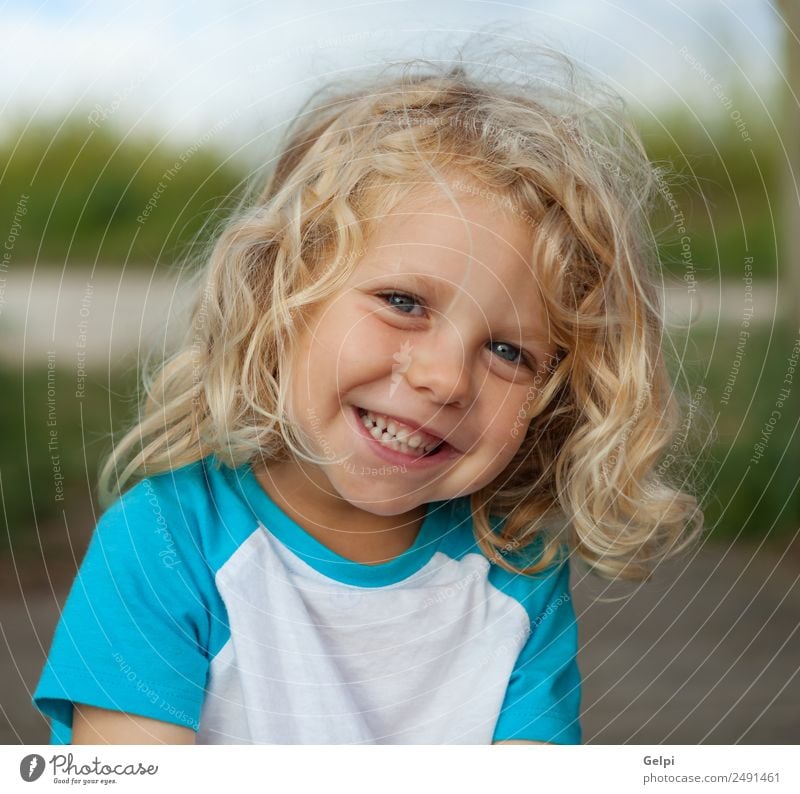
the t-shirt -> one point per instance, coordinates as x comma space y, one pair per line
201, 603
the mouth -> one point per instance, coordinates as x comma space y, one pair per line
392, 435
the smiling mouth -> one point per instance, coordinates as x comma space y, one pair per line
401, 440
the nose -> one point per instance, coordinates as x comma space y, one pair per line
438, 365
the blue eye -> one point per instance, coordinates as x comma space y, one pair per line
389, 295
517, 357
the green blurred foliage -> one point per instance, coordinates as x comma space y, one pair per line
723, 173
87, 186
746, 492
46, 431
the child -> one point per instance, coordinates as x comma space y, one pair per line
424, 370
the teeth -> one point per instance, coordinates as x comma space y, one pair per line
400, 439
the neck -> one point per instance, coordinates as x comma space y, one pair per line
304, 494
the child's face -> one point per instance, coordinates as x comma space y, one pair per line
449, 361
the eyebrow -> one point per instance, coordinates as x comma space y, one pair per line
438, 288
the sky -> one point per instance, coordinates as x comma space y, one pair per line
237, 69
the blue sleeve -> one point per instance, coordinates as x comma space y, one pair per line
134, 631
542, 701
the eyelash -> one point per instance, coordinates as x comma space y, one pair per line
524, 357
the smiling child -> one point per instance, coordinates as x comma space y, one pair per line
423, 375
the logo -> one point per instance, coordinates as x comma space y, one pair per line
31, 767
403, 358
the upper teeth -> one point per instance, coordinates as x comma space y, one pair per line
397, 436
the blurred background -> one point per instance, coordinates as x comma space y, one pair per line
128, 133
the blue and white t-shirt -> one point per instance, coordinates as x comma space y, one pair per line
201, 603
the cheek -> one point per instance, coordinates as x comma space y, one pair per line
505, 421
345, 348
366, 348
314, 364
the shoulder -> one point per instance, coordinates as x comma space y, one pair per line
179, 515
535, 592
160, 510
166, 491
541, 592
185, 490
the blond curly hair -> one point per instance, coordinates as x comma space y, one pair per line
586, 475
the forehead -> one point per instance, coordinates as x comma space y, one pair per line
459, 232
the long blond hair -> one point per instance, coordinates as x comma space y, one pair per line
586, 475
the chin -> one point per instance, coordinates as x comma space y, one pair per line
388, 507
383, 507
